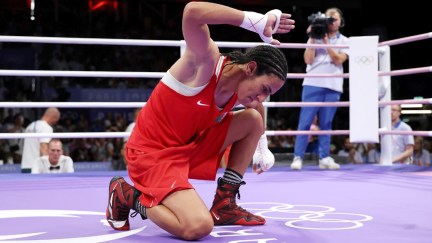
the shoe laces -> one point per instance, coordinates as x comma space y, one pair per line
238, 190
235, 191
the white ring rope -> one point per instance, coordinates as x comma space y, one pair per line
346, 132
110, 74
138, 42
141, 104
406, 39
65, 135
90, 41
72, 104
91, 74
127, 134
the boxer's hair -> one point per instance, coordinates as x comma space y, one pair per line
269, 59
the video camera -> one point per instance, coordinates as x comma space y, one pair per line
319, 24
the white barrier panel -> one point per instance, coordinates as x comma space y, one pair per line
363, 88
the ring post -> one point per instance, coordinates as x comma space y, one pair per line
363, 89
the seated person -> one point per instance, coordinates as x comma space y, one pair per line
421, 155
374, 153
402, 145
349, 151
54, 162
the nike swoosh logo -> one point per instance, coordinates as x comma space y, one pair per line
201, 104
216, 217
172, 186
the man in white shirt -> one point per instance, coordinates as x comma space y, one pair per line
402, 145
54, 162
36, 147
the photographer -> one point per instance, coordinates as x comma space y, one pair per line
323, 29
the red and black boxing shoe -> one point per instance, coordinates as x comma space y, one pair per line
225, 210
120, 202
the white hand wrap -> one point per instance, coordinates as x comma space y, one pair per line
256, 22
263, 156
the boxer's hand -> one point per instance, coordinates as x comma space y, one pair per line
263, 158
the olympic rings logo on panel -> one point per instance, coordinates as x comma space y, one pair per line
308, 217
364, 60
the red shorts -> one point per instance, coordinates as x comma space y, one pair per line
159, 173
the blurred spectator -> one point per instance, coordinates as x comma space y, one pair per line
36, 147
129, 129
117, 159
402, 145
54, 162
9, 119
131, 125
374, 153
274, 143
102, 149
363, 149
421, 155
16, 145
287, 142
80, 150
349, 151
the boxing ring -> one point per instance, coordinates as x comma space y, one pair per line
358, 203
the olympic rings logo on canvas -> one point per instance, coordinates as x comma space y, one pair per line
308, 217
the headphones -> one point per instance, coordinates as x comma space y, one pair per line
342, 20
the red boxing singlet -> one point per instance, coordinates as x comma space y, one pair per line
177, 137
